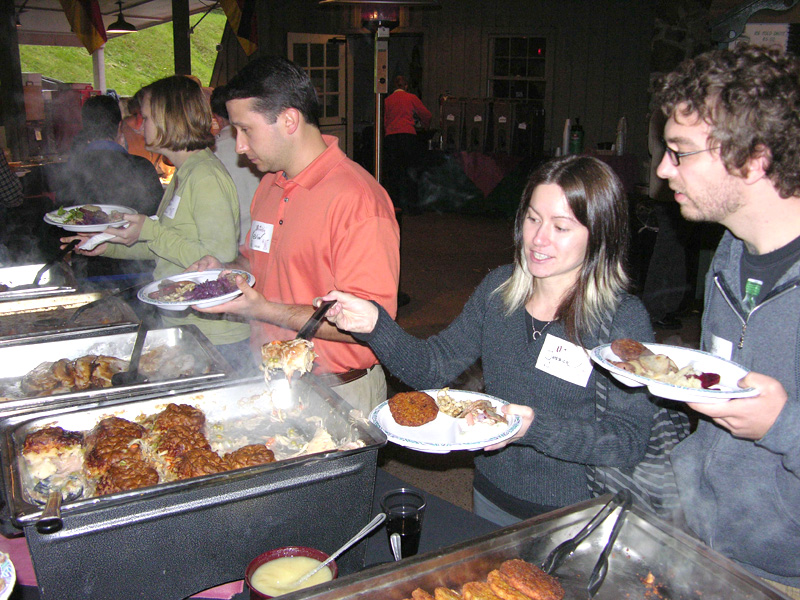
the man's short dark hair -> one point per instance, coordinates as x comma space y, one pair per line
275, 84
101, 117
750, 98
218, 100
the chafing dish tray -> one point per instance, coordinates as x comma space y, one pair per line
21, 320
651, 560
56, 281
186, 358
174, 539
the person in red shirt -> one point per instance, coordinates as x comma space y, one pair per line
402, 110
319, 222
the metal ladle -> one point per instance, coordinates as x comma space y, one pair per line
57, 489
379, 518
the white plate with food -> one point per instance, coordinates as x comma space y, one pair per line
198, 288
8, 576
446, 433
88, 218
673, 372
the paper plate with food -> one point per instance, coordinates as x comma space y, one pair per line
198, 288
438, 421
673, 372
88, 218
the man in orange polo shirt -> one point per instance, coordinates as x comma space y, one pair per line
319, 222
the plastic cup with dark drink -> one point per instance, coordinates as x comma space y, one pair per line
404, 510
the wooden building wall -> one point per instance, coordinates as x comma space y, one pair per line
599, 52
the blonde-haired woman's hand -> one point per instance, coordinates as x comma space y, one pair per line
525, 413
350, 313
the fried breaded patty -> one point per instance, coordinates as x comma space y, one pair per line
502, 588
249, 456
197, 462
51, 439
413, 409
531, 580
126, 475
443, 593
627, 349
179, 414
420, 594
478, 590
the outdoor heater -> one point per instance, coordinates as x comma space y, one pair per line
380, 17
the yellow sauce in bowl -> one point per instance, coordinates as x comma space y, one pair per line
280, 576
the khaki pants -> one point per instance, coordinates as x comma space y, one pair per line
789, 591
365, 393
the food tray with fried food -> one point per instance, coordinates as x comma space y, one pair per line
24, 320
16, 281
651, 560
69, 368
202, 530
673, 372
225, 417
443, 420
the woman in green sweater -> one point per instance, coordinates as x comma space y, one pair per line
199, 211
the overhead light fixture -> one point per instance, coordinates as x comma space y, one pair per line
120, 25
420, 3
18, 24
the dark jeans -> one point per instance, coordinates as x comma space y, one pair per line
401, 162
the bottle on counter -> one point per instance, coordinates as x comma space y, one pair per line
622, 133
576, 137
565, 137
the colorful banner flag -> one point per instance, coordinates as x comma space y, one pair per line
86, 20
242, 19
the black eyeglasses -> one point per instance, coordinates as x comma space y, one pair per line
675, 156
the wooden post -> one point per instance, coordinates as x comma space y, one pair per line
180, 32
11, 93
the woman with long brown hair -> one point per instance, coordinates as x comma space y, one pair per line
531, 324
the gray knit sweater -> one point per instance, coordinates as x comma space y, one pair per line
545, 467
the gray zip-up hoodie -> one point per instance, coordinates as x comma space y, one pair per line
742, 497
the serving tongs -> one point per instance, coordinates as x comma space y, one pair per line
132, 375
557, 556
84, 307
311, 326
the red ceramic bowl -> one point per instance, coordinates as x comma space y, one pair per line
279, 553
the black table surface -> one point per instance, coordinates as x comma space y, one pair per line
444, 524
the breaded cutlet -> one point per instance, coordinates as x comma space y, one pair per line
531, 580
478, 590
413, 409
502, 588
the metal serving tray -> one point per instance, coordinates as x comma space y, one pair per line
178, 538
16, 361
682, 568
56, 281
23, 320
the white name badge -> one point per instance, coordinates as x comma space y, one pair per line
564, 360
721, 347
260, 236
172, 207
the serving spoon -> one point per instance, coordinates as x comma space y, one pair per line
57, 489
379, 518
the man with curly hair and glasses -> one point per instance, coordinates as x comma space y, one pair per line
732, 141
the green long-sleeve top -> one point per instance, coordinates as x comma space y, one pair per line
198, 216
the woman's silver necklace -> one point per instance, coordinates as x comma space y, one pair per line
537, 333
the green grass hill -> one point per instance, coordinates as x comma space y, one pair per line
132, 60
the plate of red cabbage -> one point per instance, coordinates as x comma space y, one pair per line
88, 218
199, 288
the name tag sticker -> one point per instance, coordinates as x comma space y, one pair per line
564, 360
172, 207
721, 347
260, 236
